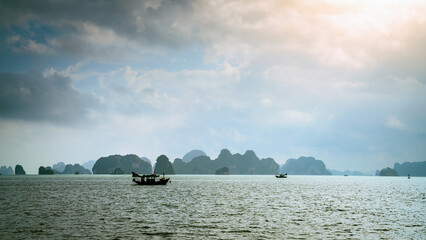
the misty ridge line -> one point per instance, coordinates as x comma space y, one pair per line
140, 69
197, 162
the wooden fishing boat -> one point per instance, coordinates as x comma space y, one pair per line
149, 179
281, 175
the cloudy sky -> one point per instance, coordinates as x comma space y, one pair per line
343, 81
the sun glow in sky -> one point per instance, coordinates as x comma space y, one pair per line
343, 81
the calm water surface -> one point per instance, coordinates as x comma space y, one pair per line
213, 207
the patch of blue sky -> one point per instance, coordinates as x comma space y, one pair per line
16, 52
175, 60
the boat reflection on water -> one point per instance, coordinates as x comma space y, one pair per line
149, 179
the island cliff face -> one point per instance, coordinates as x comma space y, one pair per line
45, 171
404, 169
248, 163
412, 168
6, 170
76, 168
192, 154
19, 170
388, 172
304, 166
60, 166
223, 171
163, 165
128, 163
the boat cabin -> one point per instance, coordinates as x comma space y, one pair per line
149, 179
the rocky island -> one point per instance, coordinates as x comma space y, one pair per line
73, 169
388, 172
304, 166
223, 171
127, 163
248, 163
6, 170
19, 170
163, 165
45, 171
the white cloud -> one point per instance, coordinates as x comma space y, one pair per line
49, 72
266, 102
339, 34
228, 134
274, 72
354, 35
126, 79
99, 37
394, 123
69, 71
24, 45
290, 118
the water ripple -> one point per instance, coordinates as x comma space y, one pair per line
213, 207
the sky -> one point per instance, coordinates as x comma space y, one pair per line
342, 81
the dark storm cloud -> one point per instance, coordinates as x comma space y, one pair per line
157, 22
34, 97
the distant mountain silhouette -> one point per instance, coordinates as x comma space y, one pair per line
248, 163
404, 169
60, 166
146, 160
192, 154
163, 165
128, 163
6, 170
412, 168
72, 169
304, 166
347, 172
89, 164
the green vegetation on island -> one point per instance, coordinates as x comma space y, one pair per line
45, 171
117, 171
223, 171
407, 168
163, 165
197, 162
60, 167
304, 166
72, 169
248, 163
388, 172
128, 163
411, 168
19, 170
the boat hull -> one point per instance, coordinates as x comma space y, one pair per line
281, 176
159, 182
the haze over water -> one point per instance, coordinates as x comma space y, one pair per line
214, 207
341, 81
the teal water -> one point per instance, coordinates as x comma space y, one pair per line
212, 207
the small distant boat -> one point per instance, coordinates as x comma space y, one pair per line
149, 179
281, 175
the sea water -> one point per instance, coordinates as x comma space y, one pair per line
212, 207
